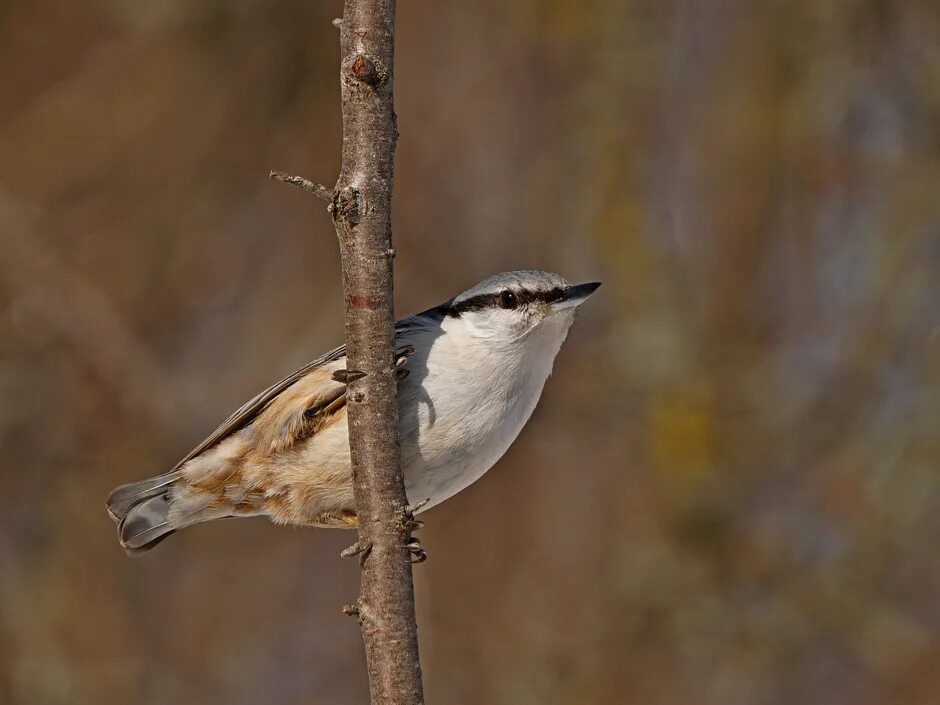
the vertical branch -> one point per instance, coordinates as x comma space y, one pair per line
362, 215
361, 204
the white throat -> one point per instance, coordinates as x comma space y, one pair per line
463, 408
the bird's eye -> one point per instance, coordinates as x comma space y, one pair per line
507, 299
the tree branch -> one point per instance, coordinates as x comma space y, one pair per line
318, 190
362, 216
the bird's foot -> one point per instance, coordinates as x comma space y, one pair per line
407, 523
401, 357
407, 520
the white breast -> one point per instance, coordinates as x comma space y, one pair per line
465, 402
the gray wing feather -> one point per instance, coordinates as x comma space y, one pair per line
250, 410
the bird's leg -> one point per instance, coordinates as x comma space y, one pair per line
407, 523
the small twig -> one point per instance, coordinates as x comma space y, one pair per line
409, 510
318, 190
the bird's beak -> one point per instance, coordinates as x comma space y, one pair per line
575, 296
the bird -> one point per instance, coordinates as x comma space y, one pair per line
471, 371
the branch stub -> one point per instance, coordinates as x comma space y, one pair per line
365, 70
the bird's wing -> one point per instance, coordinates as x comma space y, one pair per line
249, 411
289, 418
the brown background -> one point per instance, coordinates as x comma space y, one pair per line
730, 492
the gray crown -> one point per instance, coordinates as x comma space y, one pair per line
533, 280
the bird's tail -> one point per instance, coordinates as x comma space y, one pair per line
148, 511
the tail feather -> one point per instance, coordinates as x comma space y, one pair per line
148, 511
124, 498
145, 524
142, 512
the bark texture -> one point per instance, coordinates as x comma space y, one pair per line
361, 209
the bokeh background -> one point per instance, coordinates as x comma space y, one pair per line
730, 493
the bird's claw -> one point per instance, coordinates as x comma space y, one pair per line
357, 549
347, 376
403, 354
407, 524
418, 554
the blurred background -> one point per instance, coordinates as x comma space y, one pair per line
730, 493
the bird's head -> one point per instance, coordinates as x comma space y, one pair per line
526, 305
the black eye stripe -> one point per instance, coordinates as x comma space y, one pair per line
523, 297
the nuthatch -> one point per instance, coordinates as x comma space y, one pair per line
476, 366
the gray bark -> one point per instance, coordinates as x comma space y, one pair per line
361, 209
